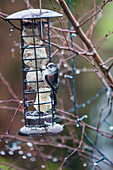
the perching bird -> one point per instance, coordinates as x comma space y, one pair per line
50, 75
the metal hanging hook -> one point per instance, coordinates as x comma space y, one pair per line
28, 4
41, 29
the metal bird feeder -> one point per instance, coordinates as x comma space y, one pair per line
38, 99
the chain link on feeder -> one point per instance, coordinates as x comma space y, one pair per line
38, 96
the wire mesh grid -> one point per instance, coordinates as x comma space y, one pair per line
38, 116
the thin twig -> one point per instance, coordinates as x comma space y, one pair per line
11, 166
14, 26
80, 144
9, 87
7, 131
88, 43
105, 3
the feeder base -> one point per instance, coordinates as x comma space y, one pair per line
34, 120
40, 131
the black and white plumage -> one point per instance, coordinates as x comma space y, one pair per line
50, 75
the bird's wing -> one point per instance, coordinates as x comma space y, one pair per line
52, 80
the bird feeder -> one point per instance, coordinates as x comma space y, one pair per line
36, 51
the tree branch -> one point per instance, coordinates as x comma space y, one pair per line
87, 42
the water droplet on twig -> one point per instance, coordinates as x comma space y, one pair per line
22, 120
6, 141
11, 29
60, 74
77, 71
42, 166
32, 159
24, 157
65, 65
111, 128
29, 154
49, 157
54, 159
2, 152
29, 144
20, 152
84, 165
11, 153
95, 164
59, 144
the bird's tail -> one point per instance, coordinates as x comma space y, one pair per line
55, 99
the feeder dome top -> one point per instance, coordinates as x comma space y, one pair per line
33, 13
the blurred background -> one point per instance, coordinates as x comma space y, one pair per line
87, 84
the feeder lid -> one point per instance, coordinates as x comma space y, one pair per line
33, 13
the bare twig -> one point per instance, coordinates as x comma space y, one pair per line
11, 166
14, 26
11, 122
88, 43
80, 144
9, 87
103, 5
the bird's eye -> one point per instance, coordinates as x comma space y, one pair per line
50, 66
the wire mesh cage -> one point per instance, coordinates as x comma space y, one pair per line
36, 52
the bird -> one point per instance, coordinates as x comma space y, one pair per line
50, 76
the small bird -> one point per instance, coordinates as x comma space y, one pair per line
50, 75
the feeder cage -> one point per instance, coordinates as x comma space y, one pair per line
36, 51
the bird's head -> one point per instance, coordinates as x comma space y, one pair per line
51, 67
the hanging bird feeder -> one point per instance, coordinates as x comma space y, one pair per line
36, 51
